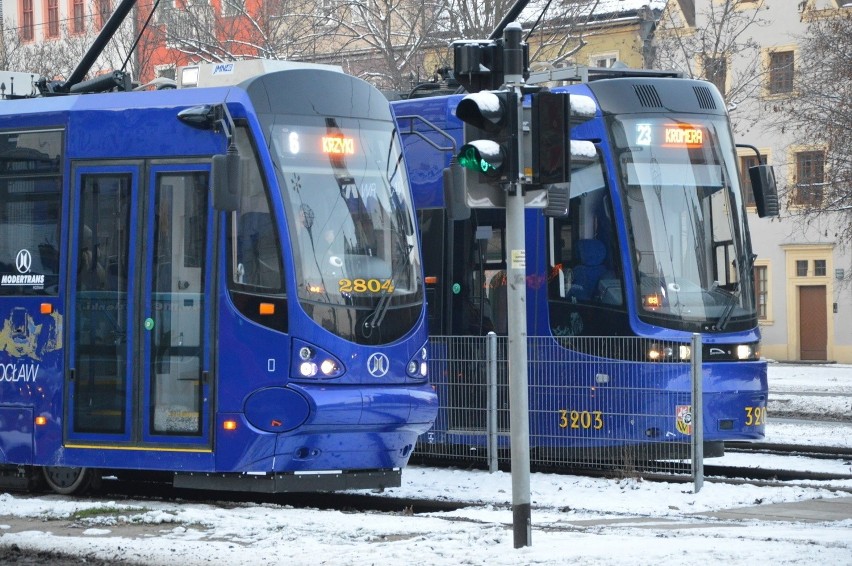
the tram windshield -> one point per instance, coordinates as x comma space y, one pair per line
692, 259
350, 217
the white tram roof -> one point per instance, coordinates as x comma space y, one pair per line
235, 72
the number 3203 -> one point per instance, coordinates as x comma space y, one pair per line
581, 419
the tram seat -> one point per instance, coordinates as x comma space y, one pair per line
586, 275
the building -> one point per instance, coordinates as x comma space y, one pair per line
748, 48
802, 270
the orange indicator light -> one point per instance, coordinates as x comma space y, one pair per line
266, 308
229, 425
46, 308
338, 145
431, 280
683, 135
40, 421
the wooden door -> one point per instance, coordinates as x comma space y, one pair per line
813, 329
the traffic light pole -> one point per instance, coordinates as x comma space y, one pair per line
517, 304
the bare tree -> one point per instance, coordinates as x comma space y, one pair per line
818, 114
53, 59
56, 57
715, 44
271, 29
386, 41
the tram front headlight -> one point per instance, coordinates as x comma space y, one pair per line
744, 351
308, 369
329, 368
412, 366
655, 352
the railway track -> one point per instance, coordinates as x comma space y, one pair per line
766, 475
789, 449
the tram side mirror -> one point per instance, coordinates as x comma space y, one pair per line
454, 197
765, 190
226, 180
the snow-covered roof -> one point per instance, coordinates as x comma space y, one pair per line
603, 7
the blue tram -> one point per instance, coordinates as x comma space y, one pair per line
653, 248
222, 283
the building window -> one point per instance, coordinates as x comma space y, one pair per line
746, 162
780, 72
809, 178
801, 268
167, 72
27, 21
716, 71
52, 18
603, 60
761, 290
78, 16
819, 268
232, 7
104, 12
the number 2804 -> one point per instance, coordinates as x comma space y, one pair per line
366, 286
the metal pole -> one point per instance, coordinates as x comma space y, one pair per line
491, 356
697, 414
98, 45
517, 309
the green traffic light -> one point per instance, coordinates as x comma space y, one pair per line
484, 156
469, 158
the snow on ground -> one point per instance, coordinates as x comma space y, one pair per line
574, 519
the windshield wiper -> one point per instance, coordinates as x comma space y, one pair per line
374, 319
725, 317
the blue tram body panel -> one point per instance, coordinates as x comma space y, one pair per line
211, 342
735, 392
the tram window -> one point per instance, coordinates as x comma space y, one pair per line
30, 209
254, 249
583, 250
101, 274
179, 250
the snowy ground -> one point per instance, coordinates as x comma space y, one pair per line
575, 519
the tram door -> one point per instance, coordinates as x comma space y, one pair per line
139, 331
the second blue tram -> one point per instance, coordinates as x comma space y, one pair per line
654, 247
219, 283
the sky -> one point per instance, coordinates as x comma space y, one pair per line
575, 519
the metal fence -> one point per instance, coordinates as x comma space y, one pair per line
618, 404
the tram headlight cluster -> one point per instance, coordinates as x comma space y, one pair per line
418, 365
669, 353
313, 362
683, 353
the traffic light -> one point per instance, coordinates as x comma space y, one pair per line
480, 64
490, 152
553, 152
